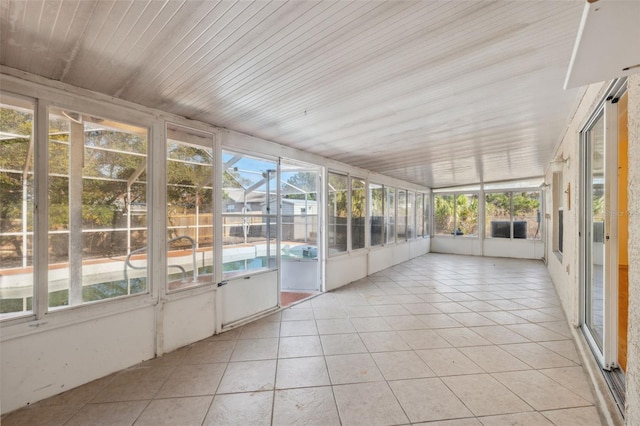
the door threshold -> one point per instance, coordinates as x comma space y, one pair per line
289, 298
617, 383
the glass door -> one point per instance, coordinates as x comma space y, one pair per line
249, 237
299, 239
603, 242
595, 208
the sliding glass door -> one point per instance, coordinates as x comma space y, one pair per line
594, 224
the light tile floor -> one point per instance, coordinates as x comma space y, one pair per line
439, 340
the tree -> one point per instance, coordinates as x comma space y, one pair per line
443, 213
14, 161
305, 183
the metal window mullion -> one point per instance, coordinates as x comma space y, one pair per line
511, 215
157, 219
349, 213
76, 153
482, 220
367, 214
156, 192
455, 215
217, 224
279, 275
320, 197
41, 212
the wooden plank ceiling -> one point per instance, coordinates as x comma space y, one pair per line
435, 92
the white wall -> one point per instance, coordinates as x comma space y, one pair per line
344, 269
516, 248
55, 358
457, 245
564, 267
188, 319
633, 365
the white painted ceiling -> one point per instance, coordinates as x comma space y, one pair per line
435, 92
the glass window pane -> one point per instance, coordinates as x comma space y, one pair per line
390, 212
189, 207
443, 213
337, 212
358, 207
467, 215
427, 215
259, 251
401, 219
246, 181
419, 215
97, 208
299, 204
498, 215
526, 215
249, 209
411, 215
596, 280
376, 210
16, 206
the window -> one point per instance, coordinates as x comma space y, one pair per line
558, 210
444, 214
16, 206
527, 214
97, 208
401, 218
427, 215
513, 213
466, 215
456, 215
358, 206
337, 211
299, 211
376, 210
498, 215
420, 217
189, 207
390, 213
249, 228
411, 215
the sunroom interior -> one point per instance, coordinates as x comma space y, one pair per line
171, 171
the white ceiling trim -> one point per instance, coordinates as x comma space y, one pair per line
608, 43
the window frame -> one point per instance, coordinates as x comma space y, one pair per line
49, 97
211, 145
380, 187
455, 195
99, 115
419, 215
364, 203
12, 99
390, 192
558, 214
402, 215
347, 217
272, 216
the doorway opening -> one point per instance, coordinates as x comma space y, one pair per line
300, 240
